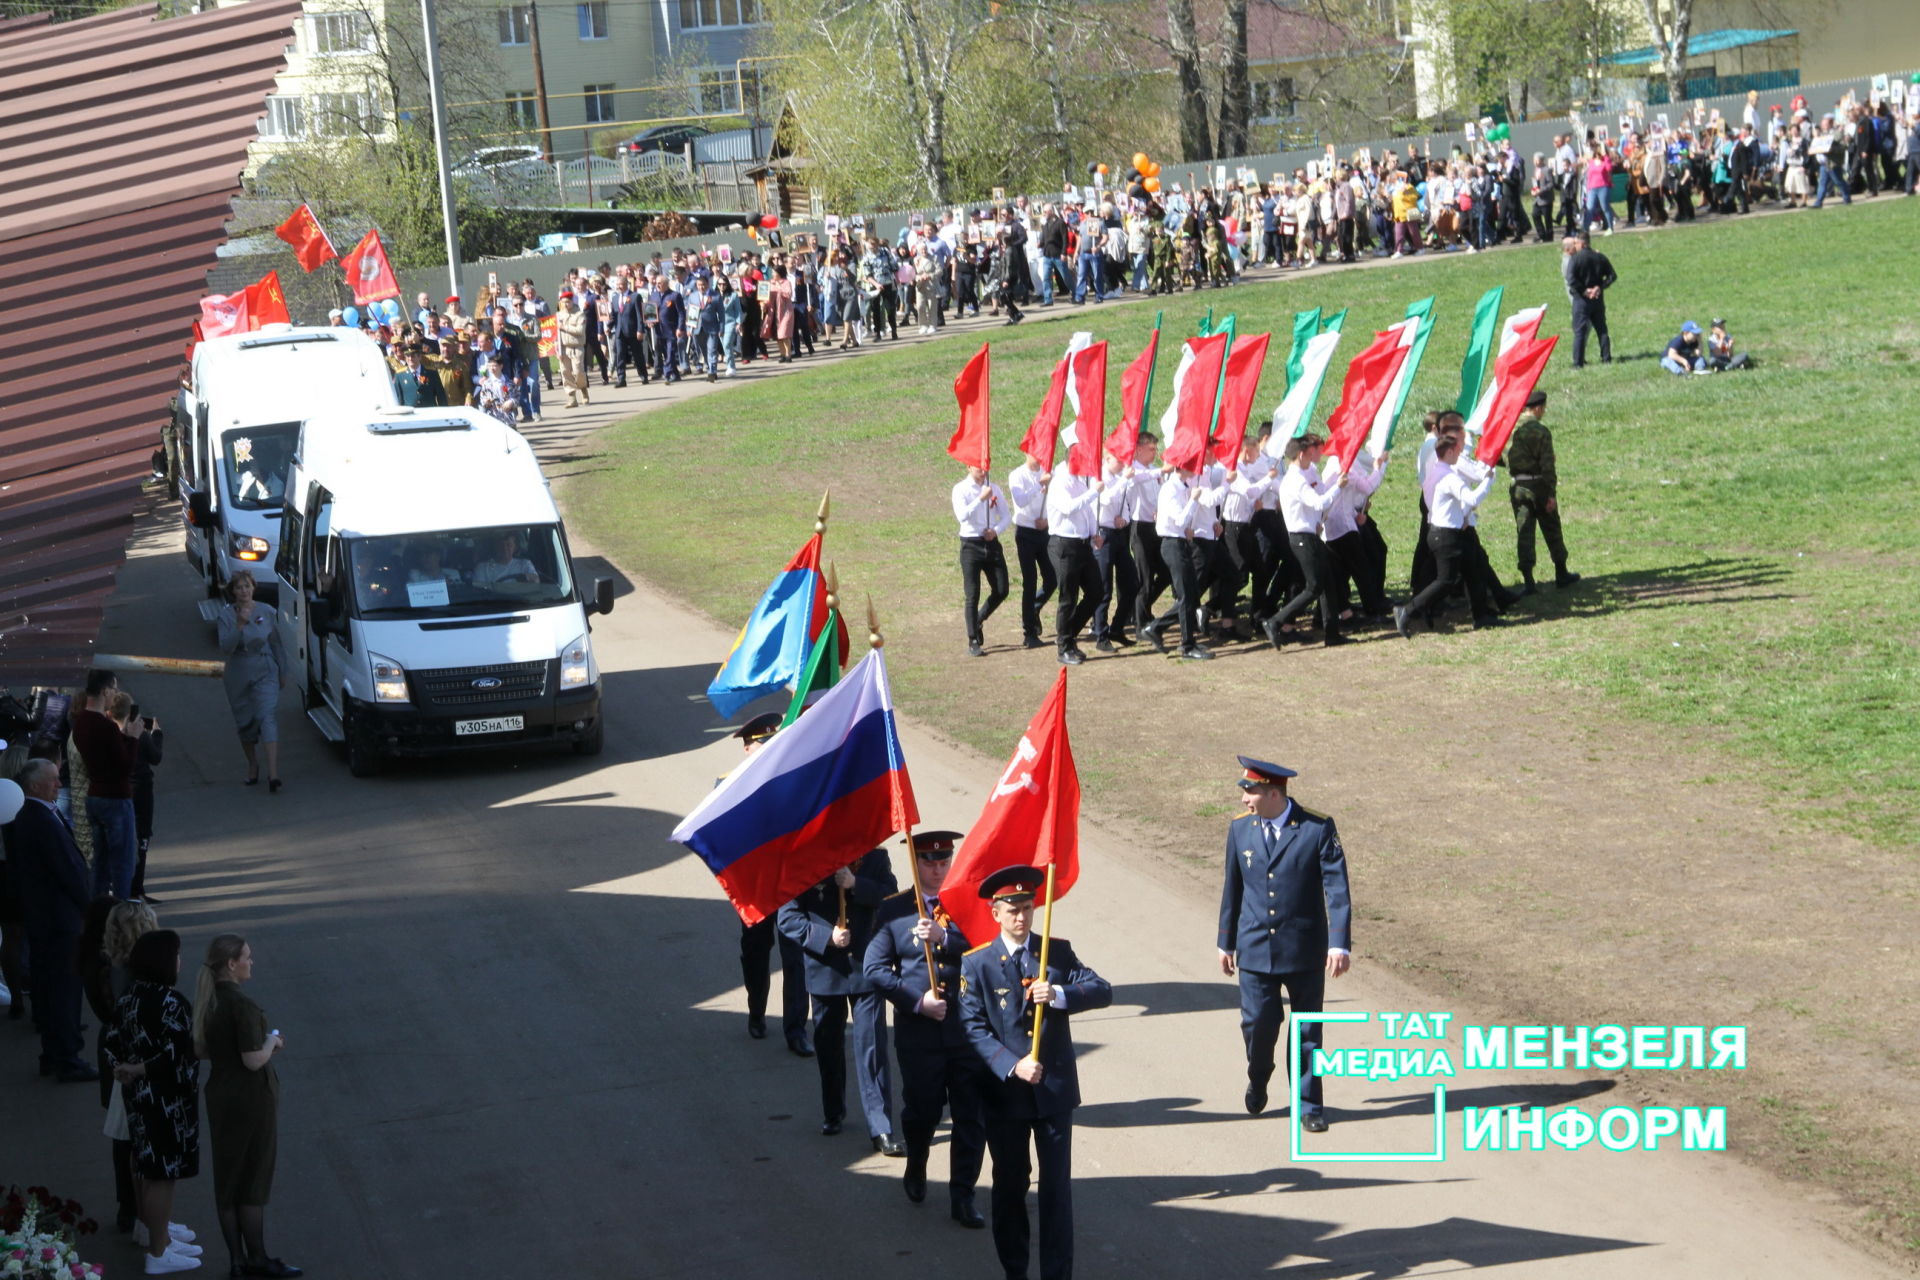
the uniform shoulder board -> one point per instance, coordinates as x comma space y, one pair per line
982, 947
906, 892
1314, 814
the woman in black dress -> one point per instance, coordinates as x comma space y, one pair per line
243, 1093
151, 1047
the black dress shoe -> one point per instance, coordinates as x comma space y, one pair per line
1033, 642
1071, 657
1104, 646
1152, 632
965, 1214
975, 649
1526, 589
1565, 579
1314, 1122
1256, 1099
1400, 621
1334, 638
272, 1267
757, 1025
1272, 630
888, 1145
799, 1046
1195, 653
915, 1181
830, 1128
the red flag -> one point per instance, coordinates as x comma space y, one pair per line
193, 341
369, 274
1089, 374
266, 303
1369, 380
1236, 397
1514, 375
1043, 437
1032, 819
1195, 388
1135, 382
221, 316
310, 244
972, 444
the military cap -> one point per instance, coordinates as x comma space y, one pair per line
1537, 400
759, 729
934, 846
1013, 884
1260, 773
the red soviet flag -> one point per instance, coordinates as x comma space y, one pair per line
369, 274
1244, 363
1369, 379
310, 244
266, 303
1032, 819
972, 443
220, 316
1088, 374
1514, 375
1043, 437
1136, 385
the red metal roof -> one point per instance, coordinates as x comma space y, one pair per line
125, 141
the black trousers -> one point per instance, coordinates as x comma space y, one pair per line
867, 1013
56, 998
981, 558
1119, 582
1347, 554
1037, 580
756, 974
142, 834
1242, 570
1015, 1141
1543, 220
1271, 580
1529, 510
1373, 590
1151, 571
1590, 315
1316, 573
1263, 1015
1078, 576
1182, 561
954, 1081
1209, 566
1451, 550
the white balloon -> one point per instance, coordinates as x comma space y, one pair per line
11, 798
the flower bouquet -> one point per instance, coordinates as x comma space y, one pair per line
37, 1235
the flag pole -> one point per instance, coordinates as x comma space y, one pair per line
1046, 945
1146, 400
877, 641
820, 516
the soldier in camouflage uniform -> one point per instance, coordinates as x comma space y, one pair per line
1530, 465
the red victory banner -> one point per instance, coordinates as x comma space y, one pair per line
1043, 437
369, 274
972, 445
1136, 389
310, 244
1088, 375
267, 302
1244, 363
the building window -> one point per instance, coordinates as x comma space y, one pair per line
1273, 99
520, 108
593, 20
284, 118
340, 33
716, 90
599, 99
513, 25
345, 115
695, 14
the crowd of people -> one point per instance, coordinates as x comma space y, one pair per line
1274, 548
79, 933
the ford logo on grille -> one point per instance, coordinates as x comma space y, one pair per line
487, 682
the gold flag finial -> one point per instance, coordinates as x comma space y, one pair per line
874, 638
833, 586
820, 516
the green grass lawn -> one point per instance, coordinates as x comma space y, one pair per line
1748, 540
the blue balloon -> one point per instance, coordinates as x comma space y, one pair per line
352, 316
390, 308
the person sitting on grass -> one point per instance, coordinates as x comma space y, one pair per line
1720, 356
1683, 353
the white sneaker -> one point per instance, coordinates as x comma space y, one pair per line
170, 1262
184, 1249
174, 1232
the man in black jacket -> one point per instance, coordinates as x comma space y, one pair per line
51, 878
1740, 168
1053, 247
1589, 275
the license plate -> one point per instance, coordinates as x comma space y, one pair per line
499, 724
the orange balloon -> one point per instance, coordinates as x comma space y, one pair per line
1140, 161
1103, 168
1151, 169
1151, 184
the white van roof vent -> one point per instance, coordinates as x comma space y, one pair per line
284, 340
408, 422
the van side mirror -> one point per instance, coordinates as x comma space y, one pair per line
602, 595
199, 509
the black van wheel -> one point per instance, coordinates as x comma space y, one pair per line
364, 758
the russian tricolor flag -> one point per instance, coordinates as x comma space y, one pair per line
817, 796
773, 645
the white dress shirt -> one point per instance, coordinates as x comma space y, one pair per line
1428, 468
1245, 489
1265, 467
1360, 486
1455, 496
980, 506
1029, 496
1176, 505
1116, 500
1209, 489
1143, 489
1072, 503
1303, 500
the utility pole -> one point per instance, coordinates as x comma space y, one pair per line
540, 83
437, 97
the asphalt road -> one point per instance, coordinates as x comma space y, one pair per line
516, 1039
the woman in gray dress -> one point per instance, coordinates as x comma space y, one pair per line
256, 672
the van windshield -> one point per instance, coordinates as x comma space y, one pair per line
256, 464
460, 571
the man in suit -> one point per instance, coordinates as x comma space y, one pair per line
1285, 922
938, 1067
417, 386
833, 923
1030, 1097
630, 332
50, 877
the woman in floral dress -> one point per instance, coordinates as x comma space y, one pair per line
151, 1047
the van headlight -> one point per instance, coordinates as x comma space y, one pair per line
247, 547
576, 664
389, 679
